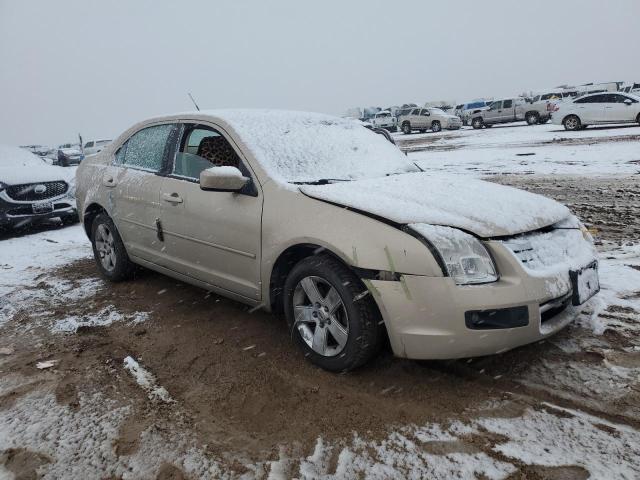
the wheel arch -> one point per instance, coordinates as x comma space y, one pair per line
90, 213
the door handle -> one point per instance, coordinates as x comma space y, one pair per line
172, 197
108, 181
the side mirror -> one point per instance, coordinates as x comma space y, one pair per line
628, 101
222, 179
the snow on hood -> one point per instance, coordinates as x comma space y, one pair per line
484, 208
301, 146
18, 166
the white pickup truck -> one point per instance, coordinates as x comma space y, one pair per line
509, 110
386, 120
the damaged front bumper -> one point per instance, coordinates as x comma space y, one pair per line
433, 318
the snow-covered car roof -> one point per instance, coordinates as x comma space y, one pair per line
297, 147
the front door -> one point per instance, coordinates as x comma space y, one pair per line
494, 113
134, 178
616, 110
214, 237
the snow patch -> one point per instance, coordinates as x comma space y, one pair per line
103, 318
147, 381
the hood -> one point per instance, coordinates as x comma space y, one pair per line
17, 166
483, 208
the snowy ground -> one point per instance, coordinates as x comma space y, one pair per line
156, 379
523, 149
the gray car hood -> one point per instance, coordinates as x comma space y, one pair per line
483, 208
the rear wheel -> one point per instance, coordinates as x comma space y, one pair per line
406, 128
335, 326
108, 250
477, 123
532, 118
435, 126
572, 122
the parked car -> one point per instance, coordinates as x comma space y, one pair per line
385, 120
465, 110
31, 190
631, 88
424, 119
327, 222
94, 146
515, 109
68, 157
598, 109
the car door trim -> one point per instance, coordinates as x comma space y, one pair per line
209, 244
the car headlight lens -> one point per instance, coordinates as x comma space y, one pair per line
72, 188
466, 259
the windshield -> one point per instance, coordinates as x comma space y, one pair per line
297, 147
476, 105
436, 110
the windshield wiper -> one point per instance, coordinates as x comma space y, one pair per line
322, 181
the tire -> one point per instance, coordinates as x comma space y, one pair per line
70, 219
406, 128
435, 126
532, 118
477, 123
108, 250
572, 122
393, 129
422, 130
346, 339
542, 121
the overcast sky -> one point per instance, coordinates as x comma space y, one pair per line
96, 67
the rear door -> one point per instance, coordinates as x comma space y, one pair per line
136, 178
508, 111
591, 109
214, 237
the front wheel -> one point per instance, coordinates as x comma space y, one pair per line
406, 128
572, 122
477, 123
108, 250
331, 321
435, 126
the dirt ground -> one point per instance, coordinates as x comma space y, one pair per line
241, 386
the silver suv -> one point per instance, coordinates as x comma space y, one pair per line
423, 119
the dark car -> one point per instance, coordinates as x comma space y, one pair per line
31, 190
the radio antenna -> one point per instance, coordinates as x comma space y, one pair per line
194, 102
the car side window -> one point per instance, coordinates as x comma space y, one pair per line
507, 104
609, 98
416, 112
88, 145
496, 105
425, 112
202, 147
146, 148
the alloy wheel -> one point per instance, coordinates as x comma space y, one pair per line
320, 316
105, 247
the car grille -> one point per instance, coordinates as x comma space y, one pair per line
30, 192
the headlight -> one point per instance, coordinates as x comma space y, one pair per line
72, 188
464, 256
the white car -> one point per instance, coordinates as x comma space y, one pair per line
385, 120
598, 109
95, 146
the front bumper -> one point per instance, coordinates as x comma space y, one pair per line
425, 316
14, 212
